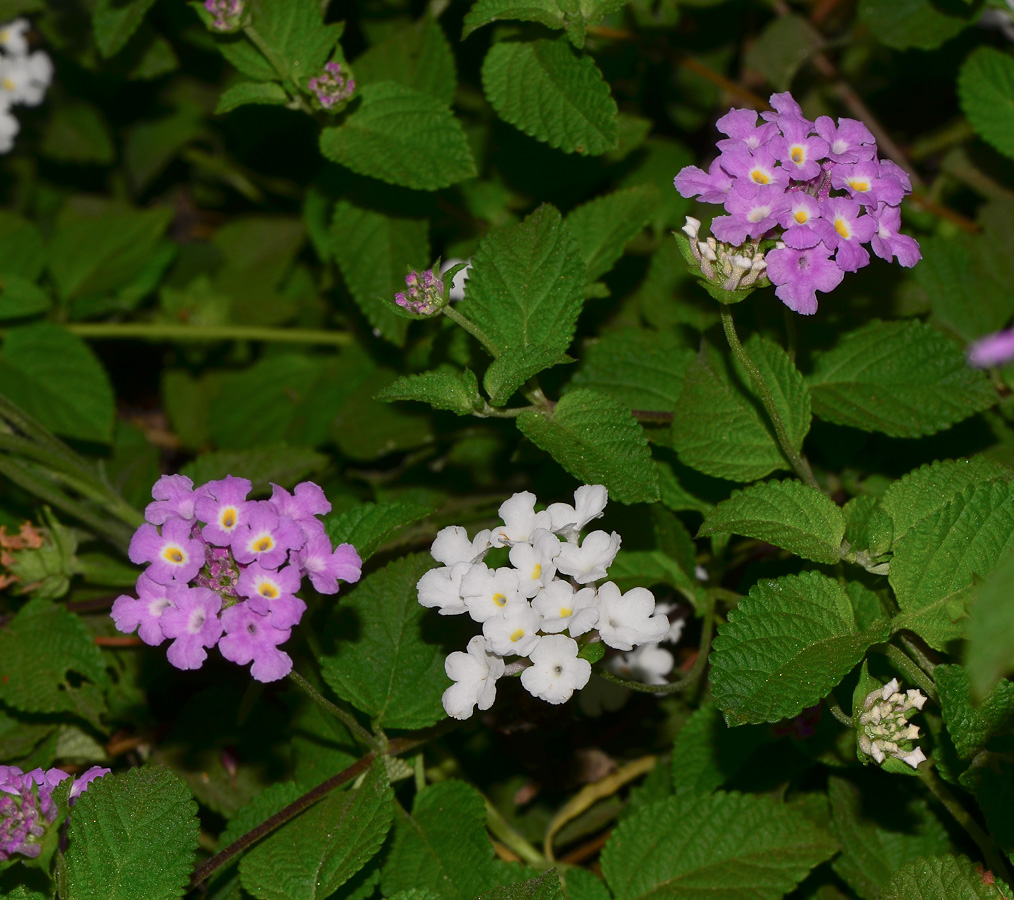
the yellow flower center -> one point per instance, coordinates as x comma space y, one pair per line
842, 228
797, 155
857, 184
800, 216
759, 176
536, 572
265, 543
9, 84
268, 591
499, 599
228, 518
564, 612
520, 633
174, 554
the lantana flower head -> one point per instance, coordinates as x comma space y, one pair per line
883, 726
24, 77
225, 571
802, 199
332, 88
226, 15
533, 611
424, 293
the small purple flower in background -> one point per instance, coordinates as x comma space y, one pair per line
425, 294
777, 183
225, 570
992, 350
27, 808
226, 15
332, 89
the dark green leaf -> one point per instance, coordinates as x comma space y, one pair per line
450, 390
939, 878
274, 463
114, 22
990, 650
986, 89
369, 525
483, 12
707, 753
971, 725
903, 24
266, 93
784, 44
603, 226
417, 56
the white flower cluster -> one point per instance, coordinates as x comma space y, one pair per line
24, 77
883, 724
526, 608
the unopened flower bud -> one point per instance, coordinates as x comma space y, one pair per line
227, 15
692, 227
425, 295
883, 725
331, 88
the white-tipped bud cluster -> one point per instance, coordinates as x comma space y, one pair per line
883, 725
732, 268
533, 609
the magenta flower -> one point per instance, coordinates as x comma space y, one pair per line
757, 167
797, 150
843, 229
753, 213
195, 625
425, 294
223, 505
887, 243
798, 220
326, 567
993, 350
174, 498
866, 183
250, 637
850, 141
81, 783
302, 506
799, 274
785, 107
710, 186
272, 593
173, 554
266, 538
741, 126
143, 614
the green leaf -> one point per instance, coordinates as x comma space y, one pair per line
265, 93
553, 93
443, 845
633, 568
990, 650
401, 136
369, 525
788, 514
389, 671
939, 878
22, 298
78, 133
374, 252
783, 45
55, 377
545, 887
928, 489
598, 441
719, 427
986, 91
300, 43
902, 378
417, 56
314, 854
904, 24
114, 22
935, 564
506, 374
603, 226
273, 798
273, 463
583, 885
707, 753
972, 725
698, 846
450, 389
22, 248
132, 835
483, 12
787, 644
880, 830
367, 428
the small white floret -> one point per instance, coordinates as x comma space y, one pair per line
556, 671
627, 619
440, 588
591, 560
475, 674
562, 608
451, 545
534, 562
520, 520
488, 592
514, 632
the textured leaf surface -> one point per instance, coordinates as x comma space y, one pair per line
707, 752
417, 55
295, 33
788, 514
483, 12
545, 887
455, 391
939, 878
719, 427
389, 672
114, 23
603, 226
317, 852
443, 845
879, 832
374, 251
55, 377
786, 645
277, 463
902, 378
990, 648
971, 725
132, 835
934, 565
401, 136
699, 846
640, 368
553, 93
903, 24
986, 91
598, 441
265, 93
368, 525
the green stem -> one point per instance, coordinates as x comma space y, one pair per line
990, 852
491, 412
901, 661
917, 654
282, 68
838, 712
346, 718
507, 835
797, 461
166, 331
472, 329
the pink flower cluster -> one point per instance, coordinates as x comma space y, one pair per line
331, 88
225, 570
817, 188
425, 294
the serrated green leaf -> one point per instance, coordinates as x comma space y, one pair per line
707, 753
553, 93
401, 136
299, 41
603, 226
508, 373
989, 652
417, 55
545, 887
452, 390
788, 514
904, 379
583, 885
264, 93
718, 425
317, 852
674, 495
374, 252
114, 22
904, 24
598, 441
787, 644
132, 835
269, 801
698, 846
867, 526
368, 525
986, 91
632, 568
880, 831
935, 564
483, 12
55, 377
928, 489
274, 463
366, 428
971, 725
443, 845
389, 672
939, 878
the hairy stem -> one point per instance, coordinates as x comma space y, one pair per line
796, 460
838, 712
346, 718
170, 331
904, 664
472, 329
